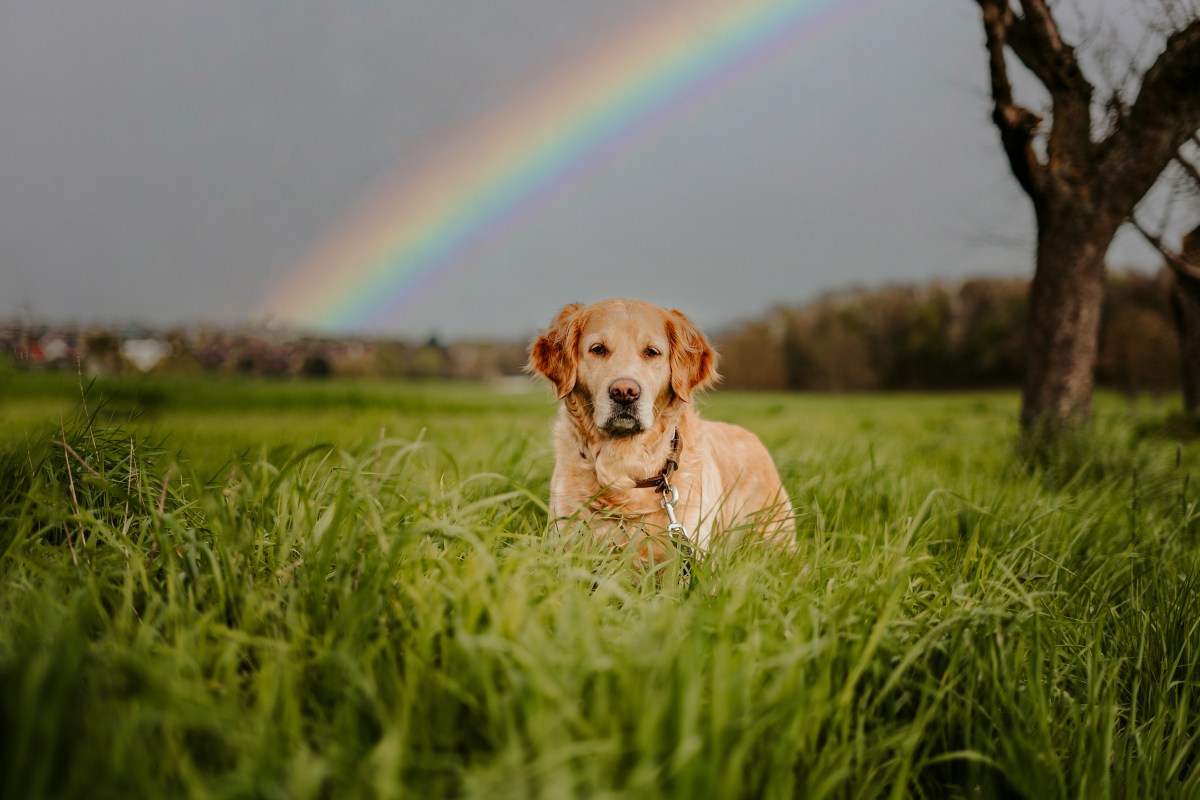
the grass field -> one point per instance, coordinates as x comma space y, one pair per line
250, 589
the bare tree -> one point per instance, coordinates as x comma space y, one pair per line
1085, 162
1185, 305
1184, 269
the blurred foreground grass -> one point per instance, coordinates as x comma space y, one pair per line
310, 590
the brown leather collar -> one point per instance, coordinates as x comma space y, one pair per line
657, 482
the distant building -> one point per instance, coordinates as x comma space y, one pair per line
145, 354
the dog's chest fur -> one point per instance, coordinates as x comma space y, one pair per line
598, 475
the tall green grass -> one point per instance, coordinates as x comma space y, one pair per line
387, 617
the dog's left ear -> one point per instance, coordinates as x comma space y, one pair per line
554, 354
693, 361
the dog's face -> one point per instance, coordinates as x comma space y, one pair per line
627, 359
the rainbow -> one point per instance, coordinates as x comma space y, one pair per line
422, 224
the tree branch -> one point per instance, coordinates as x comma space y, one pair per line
1178, 263
1036, 40
1017, 124
1165, 114
1191, 169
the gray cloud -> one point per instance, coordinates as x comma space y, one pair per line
167, 161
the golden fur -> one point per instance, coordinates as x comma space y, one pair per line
626, 372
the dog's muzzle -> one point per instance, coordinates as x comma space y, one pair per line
623, 413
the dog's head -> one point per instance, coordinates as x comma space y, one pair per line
627, 359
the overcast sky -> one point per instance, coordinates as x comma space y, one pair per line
167, 162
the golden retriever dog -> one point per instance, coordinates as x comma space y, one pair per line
628, 437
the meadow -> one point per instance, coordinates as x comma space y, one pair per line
306, 590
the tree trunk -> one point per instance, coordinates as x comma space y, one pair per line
1082, 188
1065, 301
1185, 302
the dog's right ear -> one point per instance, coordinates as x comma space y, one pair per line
693, 361
554, 354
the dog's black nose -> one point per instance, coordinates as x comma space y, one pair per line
624, 392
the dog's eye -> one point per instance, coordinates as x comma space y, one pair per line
598, 350
653, 352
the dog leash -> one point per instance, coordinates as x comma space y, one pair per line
676, 533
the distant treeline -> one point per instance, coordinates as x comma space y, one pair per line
943, 337
264, 353
895, 338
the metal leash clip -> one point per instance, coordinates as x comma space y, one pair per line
675, 531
